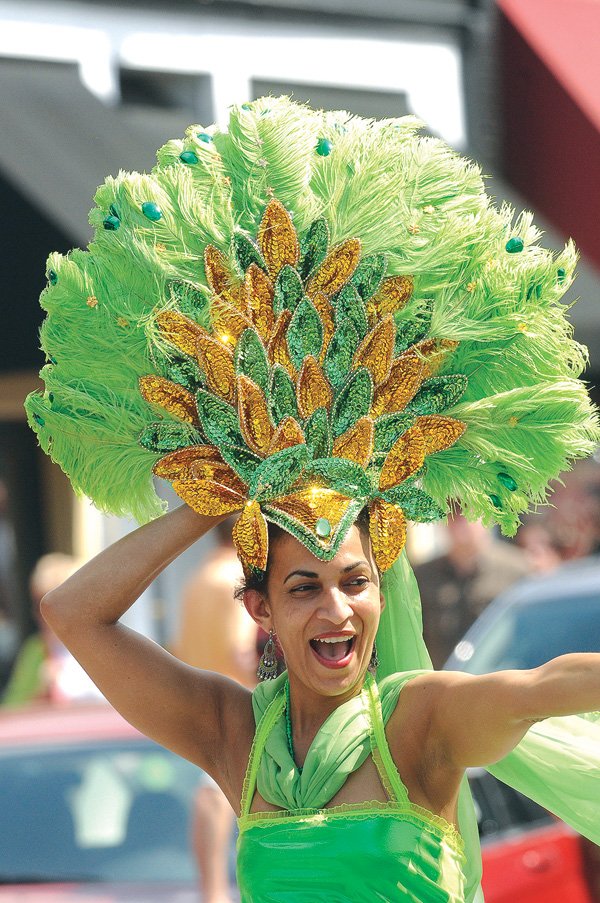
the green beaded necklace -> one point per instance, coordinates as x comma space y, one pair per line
288, 724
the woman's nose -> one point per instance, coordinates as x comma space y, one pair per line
335, 606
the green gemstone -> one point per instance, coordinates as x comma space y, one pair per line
323, 528
246, 106
561, 273
151, 211
113, 211
515, 245
51, 397
496, 501
508, 482
204, 136
39, 420
188, 157
111, 223
324, 147
52, 277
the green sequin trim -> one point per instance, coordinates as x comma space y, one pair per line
437, 394
164, 437
389, 428
368, 275
313, 247
345, 477
352, 402
318, 434
276, 475
219, 420
305, 332
289, 290
349, 307
250, 359
340, 352
245, 252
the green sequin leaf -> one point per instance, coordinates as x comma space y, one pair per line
246, 251
349, 307
416, 504
305, 333
288, 290
277, 474
244, 462
313, 247
342, 475
219, 420
190, 301
250, 359
163, 437
409, 332
437, 394
389, 428
352, 402
368, 275
186, 372
340, 352
317, 433
283, 395
325, 550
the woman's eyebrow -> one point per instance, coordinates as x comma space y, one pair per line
349, 567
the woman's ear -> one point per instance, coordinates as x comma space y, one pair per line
257, 606
381, 601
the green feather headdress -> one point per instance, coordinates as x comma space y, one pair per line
305, 314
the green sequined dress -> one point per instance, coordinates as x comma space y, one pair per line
387, 851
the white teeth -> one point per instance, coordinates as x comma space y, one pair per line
335, 639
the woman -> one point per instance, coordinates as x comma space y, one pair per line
442, 723
323, 324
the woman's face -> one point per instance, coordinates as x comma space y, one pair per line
325, 613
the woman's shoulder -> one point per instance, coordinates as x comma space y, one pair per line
390, 687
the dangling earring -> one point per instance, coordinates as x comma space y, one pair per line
374, 661
267, 666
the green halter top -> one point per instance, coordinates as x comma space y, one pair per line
386, 851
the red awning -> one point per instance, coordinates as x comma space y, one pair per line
565, 34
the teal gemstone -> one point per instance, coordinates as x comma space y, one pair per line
508, 482
39, 420
561, 273
323, 528
52, 360
52, 277
151, 211
204, 136
515, 245
246, 106
495, 500
111, 223
113, 211
188, 157
51, 397
324, 147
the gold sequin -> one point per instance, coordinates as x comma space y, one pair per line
170, 396
405, 457
255, 422
288, 433
513, 421
277, 239
393, 294
313, 390
207, 497
439, 432
251, 537
325, 311
278, 350
414, 229
387, 528
522, 327
160, 247
227, 320
177, 464
92, 301
216, 361
406, 375
308, 505
376, 350
180, 331
122, 322
471, 286
356, 444
428, 208
259, 296
336, 269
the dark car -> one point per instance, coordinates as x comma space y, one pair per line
528, 855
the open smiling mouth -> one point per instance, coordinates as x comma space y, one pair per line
334, 652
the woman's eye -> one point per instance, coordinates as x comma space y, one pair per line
303, 587
360, 581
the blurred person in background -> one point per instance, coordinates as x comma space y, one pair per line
216, 633
8, 626
456, 586
44, 669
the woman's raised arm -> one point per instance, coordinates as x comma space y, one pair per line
183, 708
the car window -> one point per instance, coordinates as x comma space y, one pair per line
118, 812
525, 635
500, 809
